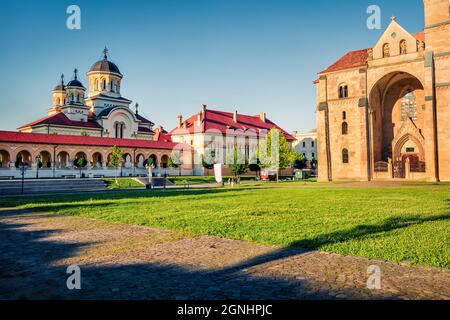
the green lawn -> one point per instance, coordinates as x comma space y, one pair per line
402, 223
193, 180
123, 183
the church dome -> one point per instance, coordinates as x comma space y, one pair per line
105, 65
59, 87
75, 83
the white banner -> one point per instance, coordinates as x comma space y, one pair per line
218, 172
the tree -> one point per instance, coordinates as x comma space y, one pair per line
237, 164
254, 166
209, 159
175, 161
115, 160
285, 154
299, 161
80, 162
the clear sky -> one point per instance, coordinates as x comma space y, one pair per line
247, 55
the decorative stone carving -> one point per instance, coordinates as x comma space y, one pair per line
403, 47
370, 54
386, 50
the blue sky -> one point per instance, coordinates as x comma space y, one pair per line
247, 55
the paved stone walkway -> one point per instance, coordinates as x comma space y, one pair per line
133, 262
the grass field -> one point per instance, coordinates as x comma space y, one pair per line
394, 223
122, 183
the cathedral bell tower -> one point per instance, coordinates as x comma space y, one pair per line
437, 25
58, 97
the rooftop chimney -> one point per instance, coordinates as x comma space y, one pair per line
203, 110
262, 116
180, 121
235, 116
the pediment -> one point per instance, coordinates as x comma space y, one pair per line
393, 35
408, 127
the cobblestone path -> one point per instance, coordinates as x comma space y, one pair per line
133, 262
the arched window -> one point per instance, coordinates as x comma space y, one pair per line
119, 129
78, 98
104, 85
403, 47
344, 128
409, 106
386, 50
96, 88
58, 101
344, 115
343, 91
345, 158
111, 85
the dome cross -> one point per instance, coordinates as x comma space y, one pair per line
105, 53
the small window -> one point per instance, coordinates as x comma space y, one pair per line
386, 51
104, 85
343, 91
345, 158
410, 150
403, 47
304, 144
313, 155
344, 115
304, 155
312, 144
112, 86
344, 128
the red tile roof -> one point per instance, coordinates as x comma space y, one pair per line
54, 139
162, 135
419, 36
223, 121
358, 58
352, 59
62, 120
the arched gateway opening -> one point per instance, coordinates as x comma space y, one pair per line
397, 104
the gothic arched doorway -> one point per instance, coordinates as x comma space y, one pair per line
397, 104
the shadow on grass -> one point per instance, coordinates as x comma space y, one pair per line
28, 271
15, 201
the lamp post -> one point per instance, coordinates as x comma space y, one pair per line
37, 159
22, 167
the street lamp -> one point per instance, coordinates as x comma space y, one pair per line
38, 160
23, 167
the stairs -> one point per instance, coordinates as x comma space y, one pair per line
157, 182
51, 186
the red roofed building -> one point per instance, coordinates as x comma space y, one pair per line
84, 129
215, 132
382, 112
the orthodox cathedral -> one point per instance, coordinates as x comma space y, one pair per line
99, 112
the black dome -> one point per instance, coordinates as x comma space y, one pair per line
106, 66
59, 87
75, 83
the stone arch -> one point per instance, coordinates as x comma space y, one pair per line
80, 155
164, 161
25, 157
385, 105
140, 160
45, 159
127, 160
63, 159
97, 159
400, 143
5, 158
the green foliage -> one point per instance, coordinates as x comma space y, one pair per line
209, 159
175, 160
123, 183
285, 153
115, 159
299, 161
84, 133
237, 163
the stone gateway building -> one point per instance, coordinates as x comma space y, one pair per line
384, 112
